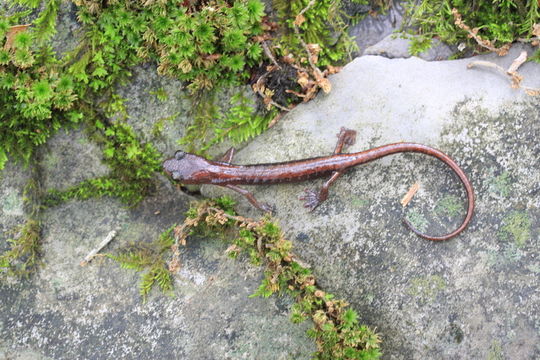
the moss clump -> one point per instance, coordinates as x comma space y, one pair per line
22, 257
322, 23
516, 226
207, 43
449, 206
336, 328
418, 220
36, 98
151, 259
133, 165
501, 185
499, 21
427, 288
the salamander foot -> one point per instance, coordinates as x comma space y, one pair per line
311, 199
267, 208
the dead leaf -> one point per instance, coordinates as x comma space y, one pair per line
303, 79
532, 92
314, 49
536, 30
299, 20
10, 36
325, 85
516, 80
322, 81
330, 70
288, 59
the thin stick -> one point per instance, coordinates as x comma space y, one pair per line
259, 85
101, 245
297, 32
410, 194
269, 54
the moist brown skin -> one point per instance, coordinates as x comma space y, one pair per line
192, 169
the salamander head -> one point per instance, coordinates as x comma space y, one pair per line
187, 168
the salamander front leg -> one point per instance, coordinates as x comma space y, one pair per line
313, 198
251, 198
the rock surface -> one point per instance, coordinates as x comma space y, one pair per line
397, 46
476, 296
473, 297
374, 28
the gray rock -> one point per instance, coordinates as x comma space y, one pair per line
68, 158
473, 297
397, 46
372, 29
66, 311
161, 108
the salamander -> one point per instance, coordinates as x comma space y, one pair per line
188, 168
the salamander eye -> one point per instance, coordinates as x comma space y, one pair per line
177, 176
179, 155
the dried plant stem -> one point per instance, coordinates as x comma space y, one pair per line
269, 54
511, 74
473, 33
110, 236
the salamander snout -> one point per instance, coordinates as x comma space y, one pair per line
179, 155
186, 168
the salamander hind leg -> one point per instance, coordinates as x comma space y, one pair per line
313, 198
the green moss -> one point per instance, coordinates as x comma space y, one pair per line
418, 220
359, 202
133, 166
151, 260
427, 288
501, 184
336, 328
495, 351
22, 257
323, 25
516, 226
449, 205
208, 44
500, 21
213, 125
12, 203
35, 97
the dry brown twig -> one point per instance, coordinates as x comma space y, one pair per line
473, 33
110, 236
511, 73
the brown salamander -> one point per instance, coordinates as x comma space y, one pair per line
192, 169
